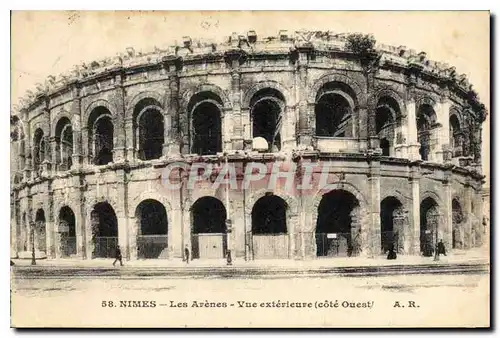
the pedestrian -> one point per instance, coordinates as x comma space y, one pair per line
118, 256
392, 253
186, 254
441, 249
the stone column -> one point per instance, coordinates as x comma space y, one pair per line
80, 224
373, 141
87, 146
468, 215
171, 120
56, 153
304, 126
446, 233
28, 167
122, 214
120, 134
237, 132
443, 153
374, 233
131, 146
50, 228
46, 164
411, 137
76, 125
415, 211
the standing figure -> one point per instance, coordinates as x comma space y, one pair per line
186, 254
440, 248
118, 256
392, 253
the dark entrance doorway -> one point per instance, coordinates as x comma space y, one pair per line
104, 231
67, 232
336, 235
457, 226
429, 218
152, 240
269, 229
40, 231
208, 237
391, 230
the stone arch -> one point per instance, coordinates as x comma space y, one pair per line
152, 195
387, 91
205, 87
273, 246
106, 248
159, 97
425, 100
247, 97
432, 194
291, 202
57, 117
100, 103
339, 186
354, 86
66, 233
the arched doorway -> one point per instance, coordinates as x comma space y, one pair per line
267, 106
429, 220
101, 133
67, 232
152, 240
387, 115
40, 231
426, 124
206, 123
269, 228
148, 129
457, 225
208, 230
337, 228
391, 223
104, 231
334, 110
64, 144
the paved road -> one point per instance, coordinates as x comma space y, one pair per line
442, 300
236, 272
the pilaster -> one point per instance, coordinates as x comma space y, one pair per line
415, 210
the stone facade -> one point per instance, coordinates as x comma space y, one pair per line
89, 147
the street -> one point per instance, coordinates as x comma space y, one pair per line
328, 301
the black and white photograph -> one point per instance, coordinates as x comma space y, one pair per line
250, 169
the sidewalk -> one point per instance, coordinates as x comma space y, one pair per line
470, 257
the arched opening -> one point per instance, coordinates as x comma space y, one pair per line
64, 144
152, 240
269, 228
337, 227
101, 136
267, 107
429, 221
206, 126
67, 232
458, 235
456, 136
208, 230
392, 224
426, 123
387, 113
38, 150
17, 156
40, 231
333, 110
148, 129
104, 230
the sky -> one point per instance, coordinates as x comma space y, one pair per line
49, 43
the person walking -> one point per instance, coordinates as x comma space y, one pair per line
186, 254
392, 253
440, 248
118, 256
